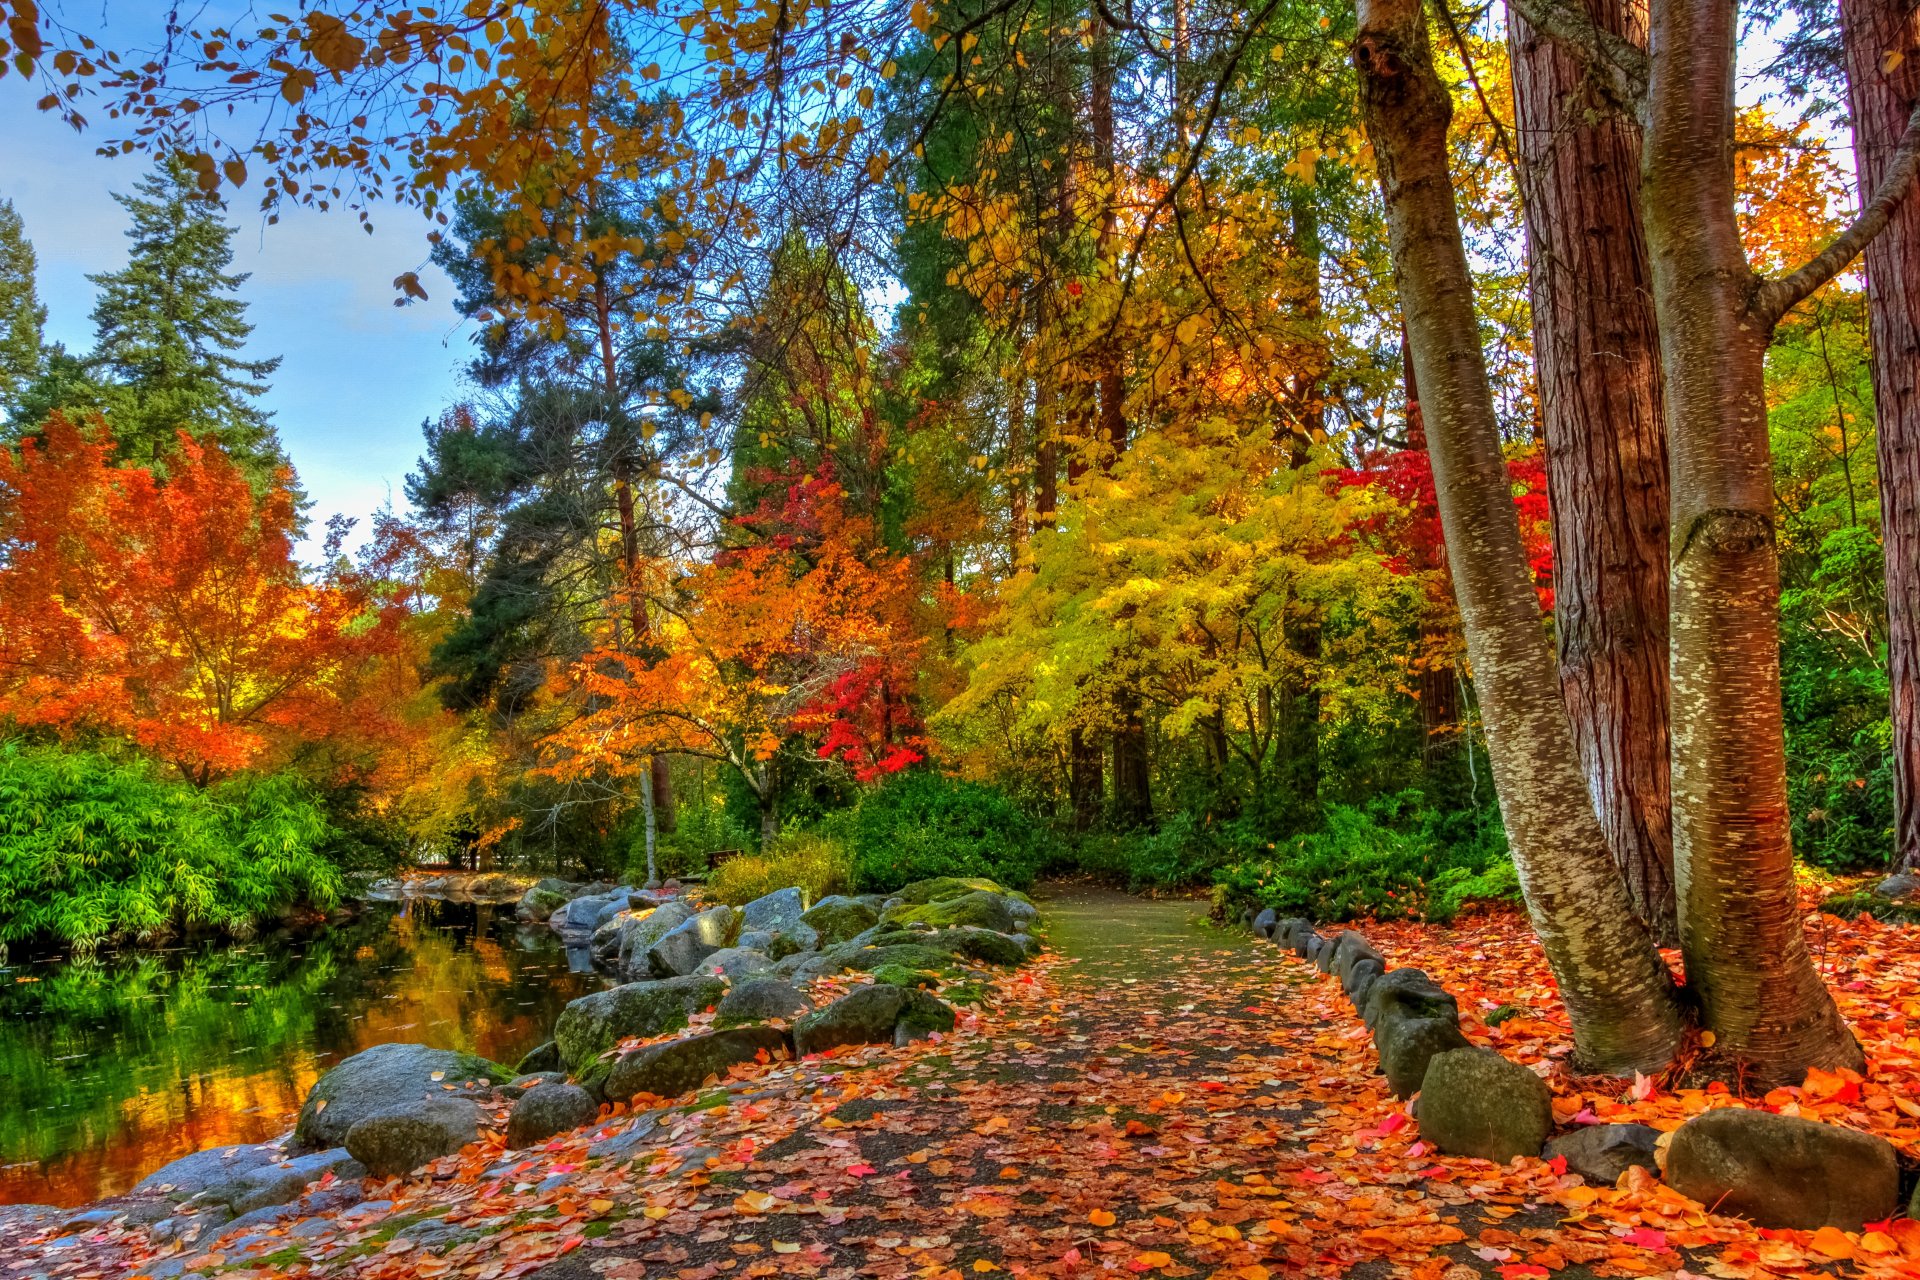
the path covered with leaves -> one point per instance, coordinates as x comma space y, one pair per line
1157, 1099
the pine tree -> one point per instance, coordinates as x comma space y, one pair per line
169, 332
22, 317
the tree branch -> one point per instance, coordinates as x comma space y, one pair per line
1623, 65
1774, 298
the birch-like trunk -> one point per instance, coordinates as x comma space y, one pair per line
1883, 84
1739, 909
1597, 353
1618, 992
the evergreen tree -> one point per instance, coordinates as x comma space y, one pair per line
169, 333
22, 317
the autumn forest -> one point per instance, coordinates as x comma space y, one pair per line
1382, 474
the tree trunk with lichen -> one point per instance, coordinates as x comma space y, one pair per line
1617, 990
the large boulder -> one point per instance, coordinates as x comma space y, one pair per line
681, 1066
838, 918
543, 899
1408, 1045
1474, 1102
907, 955
758, 1000
1602, 1152
795, 938
576, 921
984, 945
384, 1076
870, 1015
639, 930
399, 1139
1782, 1171
780, 909
548, 1109
941, 888
979, 909
594, 1023
190, 1175
542, 1057
1407, 993
683, 949
736, 963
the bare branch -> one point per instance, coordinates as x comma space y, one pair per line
1623, 65
1774, 298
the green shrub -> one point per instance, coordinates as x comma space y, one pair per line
818, 864
93, 849
922, 824
1392, 858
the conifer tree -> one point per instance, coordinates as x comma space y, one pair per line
170, 333
22, 317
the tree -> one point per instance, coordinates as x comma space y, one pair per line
169, 335
22, 317
1617, 989
1882, 42
1597, 349
172, 614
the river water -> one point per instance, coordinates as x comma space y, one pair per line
112, 1066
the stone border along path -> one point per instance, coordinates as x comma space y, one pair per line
1778, 1171
1154, 1097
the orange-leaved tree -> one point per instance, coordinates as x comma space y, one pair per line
173, 614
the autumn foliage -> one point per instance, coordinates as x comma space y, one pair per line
172, 614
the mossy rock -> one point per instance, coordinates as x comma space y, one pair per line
593, 1024
871, 1015
384, 1076
907, 956
983, 946
901, 976
941, 888
979, 909
838, 918
680, 1066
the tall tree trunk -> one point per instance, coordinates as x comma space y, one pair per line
1597, 351
1739, 909
1883, 84
1618, 992
1016, 472
1085, 784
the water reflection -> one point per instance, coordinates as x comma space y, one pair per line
113, 1066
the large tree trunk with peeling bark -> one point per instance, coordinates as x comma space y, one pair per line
1596, 349
1617, 990
1883, 84
1739, 909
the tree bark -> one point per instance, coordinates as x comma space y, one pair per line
1596, 349
1881, 98
1085, 785
1617, 990
1739, 909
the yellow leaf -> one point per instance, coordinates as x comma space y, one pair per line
656, 1211
983, 1266
600, 1206
785, 1246
1892, 61
1154, 1259
754, 1202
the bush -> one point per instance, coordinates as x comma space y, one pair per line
922, 824
93, 849
1392, 858
1186, 850
818, 864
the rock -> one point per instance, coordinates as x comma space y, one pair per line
494, 885
684, 948
1264, 923
1310, 947
18, 1220
1303, 940
547, 1110
1351, 947
1361, 975
797, 937
979, 909
398, 1140
591, 1025
542, 1057
907, 955
759, 999
1782, 1171
941, 888
756, 939
435, 1234
1407, 993
1897, 886
282, 1181
576, 921
1474, 1102
901, 976
837, 918
1408, 1044
1324, 954
384, 1076
735, 963
517, 1087
984, 945
1600, 1153
190, 1175
307, 1205
680, 1066
869, 1015
639, 930
605, 943
780, 909
1287, 932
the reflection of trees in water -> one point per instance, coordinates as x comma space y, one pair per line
111, 1066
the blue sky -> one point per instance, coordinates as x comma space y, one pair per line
358, 375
